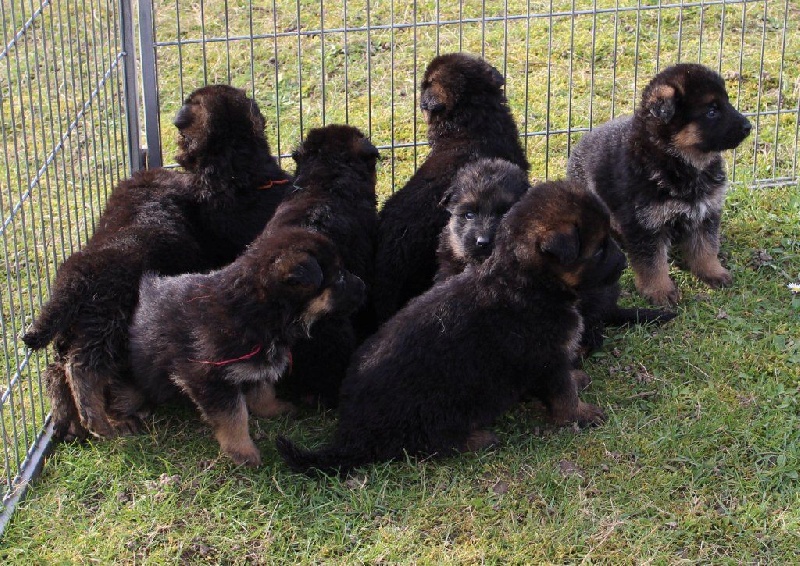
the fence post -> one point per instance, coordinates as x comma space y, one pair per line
149, 86
131, 92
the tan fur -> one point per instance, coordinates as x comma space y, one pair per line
262, 402
653, 281
701, 258
231, 431
686, 141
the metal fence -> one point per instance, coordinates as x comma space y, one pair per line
72, 91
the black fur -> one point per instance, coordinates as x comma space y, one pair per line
436, 375
334, 195
468, 117
662, 176
224, 338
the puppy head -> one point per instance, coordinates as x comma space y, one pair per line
456, 81
687, 108
300, 272
562, 231
336, 153
214, 121
481, 194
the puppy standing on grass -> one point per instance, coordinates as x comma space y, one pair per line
224, 338
661, 174
468, 117
160, 221
481, 195
437, 374
334, 194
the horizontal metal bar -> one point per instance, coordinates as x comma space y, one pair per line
395, 26
60, 145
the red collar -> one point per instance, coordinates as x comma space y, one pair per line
270, 184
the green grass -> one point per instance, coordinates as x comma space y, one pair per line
698, 461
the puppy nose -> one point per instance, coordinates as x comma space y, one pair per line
483, 241
747, 127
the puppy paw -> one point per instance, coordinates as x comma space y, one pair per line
98, 425
127, 426
480, 439
68, 430
719, 279
590, 415
243, 455
664, 295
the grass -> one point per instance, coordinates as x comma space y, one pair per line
699, 459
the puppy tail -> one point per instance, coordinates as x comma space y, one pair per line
329, 460
53, 320
629, 316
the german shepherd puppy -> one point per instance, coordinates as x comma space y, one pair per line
436, 375
238, 181
224, 338
661, 174
479, 198
468, 117
334, 194
160, 221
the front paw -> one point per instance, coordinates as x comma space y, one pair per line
721, 278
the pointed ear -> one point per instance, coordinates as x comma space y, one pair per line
661, 103
495, 77
564, 246
447, 197
306, 273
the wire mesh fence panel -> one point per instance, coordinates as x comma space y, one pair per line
63, 146
68, 92
569, 65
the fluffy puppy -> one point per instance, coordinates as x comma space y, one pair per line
481, 194
468, 117
334, 195
95, 291
238, 182
437, 374
225, 337
159, 221
479, 197
661, 174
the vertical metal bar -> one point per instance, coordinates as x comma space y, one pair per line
149, 85
526, 115
322, 55
549, 93
416, 84
299, 68
203, 40
276, 78
614, 63
680, 31
347, 64
721, 38
391, 95
701, 31
227, 43
592, 66
369, 70
779, 102
569, 76
757, 127
636, 54
251, 42
179, 40
742, 27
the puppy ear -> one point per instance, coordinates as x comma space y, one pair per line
306, 273
448, 196
564, 246
297, 155
495, 77
662, 103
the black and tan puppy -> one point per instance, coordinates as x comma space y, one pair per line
437, 374
481, 194
468, 117
334, 194
238, 182
661, 174
224, 338
95, 291
159, 221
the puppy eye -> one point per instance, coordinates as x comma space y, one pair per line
469, 215
713, 111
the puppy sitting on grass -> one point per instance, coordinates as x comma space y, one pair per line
224, 338
481, 194
661, 174
435, 376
